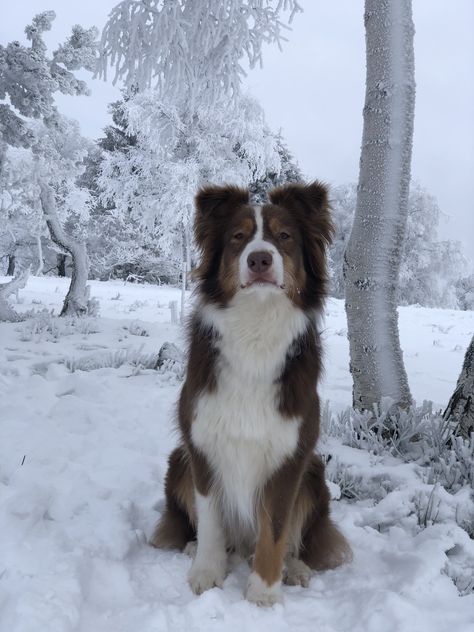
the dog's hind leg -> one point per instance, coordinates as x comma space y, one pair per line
177, 525
322, 545
296, 572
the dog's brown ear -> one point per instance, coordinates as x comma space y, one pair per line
211, 199
214, 204
310, 203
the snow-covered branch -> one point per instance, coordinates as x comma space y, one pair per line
171, 43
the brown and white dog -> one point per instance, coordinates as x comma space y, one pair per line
245, 476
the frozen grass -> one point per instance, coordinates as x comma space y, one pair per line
44, 326
135, 358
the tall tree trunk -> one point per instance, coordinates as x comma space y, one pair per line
61, 264
372, 258
77, 297
39, 270
11, 265
12, 255
460, 410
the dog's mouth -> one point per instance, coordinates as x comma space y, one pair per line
261, 282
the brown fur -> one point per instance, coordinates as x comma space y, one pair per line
322, 546
269, 551
201, 377
220, 213
178, 526
310, 207
294, 507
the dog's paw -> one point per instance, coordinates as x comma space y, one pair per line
260, 593
201, 579
190, 549
296, 573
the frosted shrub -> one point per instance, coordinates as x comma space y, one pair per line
171, 359
427, 506
416, 435
93, 307
454, 464
45, 326
84, 326
353, 485
137, 305
135, 329
379, 433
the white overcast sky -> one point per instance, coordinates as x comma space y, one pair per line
314, 90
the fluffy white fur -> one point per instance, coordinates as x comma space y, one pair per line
238, 426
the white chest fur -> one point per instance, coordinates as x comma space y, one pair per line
238, 426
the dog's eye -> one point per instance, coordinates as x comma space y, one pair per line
239, 236
284, 235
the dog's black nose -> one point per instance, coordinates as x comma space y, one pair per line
259, 261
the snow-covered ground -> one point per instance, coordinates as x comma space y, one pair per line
85, 431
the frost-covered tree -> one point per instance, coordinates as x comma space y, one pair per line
173, 45
118, 245
22, 226
56, 156
431, 269
289, 172
20, 223
193, 125
343, 203
374, 250
116, 137
155, 180
59, 152
29, 79
465, 292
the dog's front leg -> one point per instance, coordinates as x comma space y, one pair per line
264, 584
209, 565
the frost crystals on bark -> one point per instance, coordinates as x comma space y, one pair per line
373, 255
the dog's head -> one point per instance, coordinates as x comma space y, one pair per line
262, 249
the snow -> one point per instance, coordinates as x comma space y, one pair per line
83, 458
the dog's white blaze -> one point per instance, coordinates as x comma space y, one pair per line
259, 244
259, 221
238, 426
